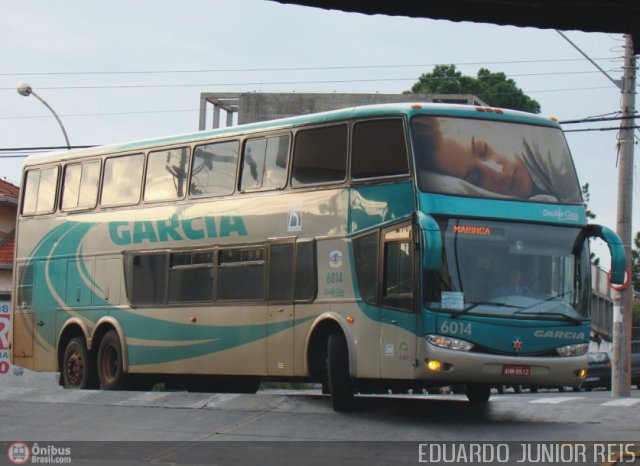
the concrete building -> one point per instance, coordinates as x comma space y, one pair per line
250, 107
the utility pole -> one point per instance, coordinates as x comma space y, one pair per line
623, 300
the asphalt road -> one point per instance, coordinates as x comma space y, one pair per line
297, 427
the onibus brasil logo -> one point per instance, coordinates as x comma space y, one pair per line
22, 453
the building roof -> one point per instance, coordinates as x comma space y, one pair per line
8, 190
615, 16
7, 244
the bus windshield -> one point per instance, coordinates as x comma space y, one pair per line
493, 159
510, 270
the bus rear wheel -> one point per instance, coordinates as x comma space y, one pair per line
78, 368
110, 368
338, 371
478, 392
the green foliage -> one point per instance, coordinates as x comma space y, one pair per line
493, 88
586, 195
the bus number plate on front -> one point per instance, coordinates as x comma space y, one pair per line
523, 371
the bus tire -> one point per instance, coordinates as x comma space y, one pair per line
110, 369
478, 392
78, 368
338, 371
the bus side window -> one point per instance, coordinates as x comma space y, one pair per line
379, 149
241, 274
306, 282
122, 181
264, 163
213, 172
281, 272
191, 276
320, 155
166, 177
40, 190
25, 276
365, 252
80, 187
146, 278
398, 272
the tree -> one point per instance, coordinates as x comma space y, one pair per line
493, 88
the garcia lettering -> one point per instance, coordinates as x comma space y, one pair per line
174, 229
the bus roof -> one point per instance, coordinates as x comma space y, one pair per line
458, 110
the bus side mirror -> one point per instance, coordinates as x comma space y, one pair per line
431, 242
616, 249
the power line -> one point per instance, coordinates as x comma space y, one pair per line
297, 68
592, 120
272, 83
143, 112
41, 148
610, 128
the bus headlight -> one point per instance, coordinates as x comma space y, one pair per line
573, 350
449, 342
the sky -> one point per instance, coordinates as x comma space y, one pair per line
120, 70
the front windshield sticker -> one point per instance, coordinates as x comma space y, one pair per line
452, 300
472, 230
500, 160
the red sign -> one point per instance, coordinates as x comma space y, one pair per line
4, 331
520, 371
4, 367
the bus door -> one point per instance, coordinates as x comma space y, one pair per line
398, 316
44, 277
280, 308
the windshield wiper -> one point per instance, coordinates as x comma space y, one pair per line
572, 319
484, 303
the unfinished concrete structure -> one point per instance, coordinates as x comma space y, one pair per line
249, 107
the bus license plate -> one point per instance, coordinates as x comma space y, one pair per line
523, 371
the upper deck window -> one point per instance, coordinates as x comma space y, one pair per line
264, 163
81, 181
40, 191
122, 180
320, 155
379, 149
213, 172
494, 159
166, 174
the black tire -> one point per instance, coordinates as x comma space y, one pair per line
478, 393
338, 371
517, 389
561, 388
533, 389
78, 367
500, 389
110, 362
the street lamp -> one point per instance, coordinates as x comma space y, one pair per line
26, 90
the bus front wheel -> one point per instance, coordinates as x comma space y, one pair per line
338, 369
78, 368
478, 392
110, 370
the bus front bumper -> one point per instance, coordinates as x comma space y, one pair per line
445, 365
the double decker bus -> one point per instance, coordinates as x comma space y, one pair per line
389, 247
